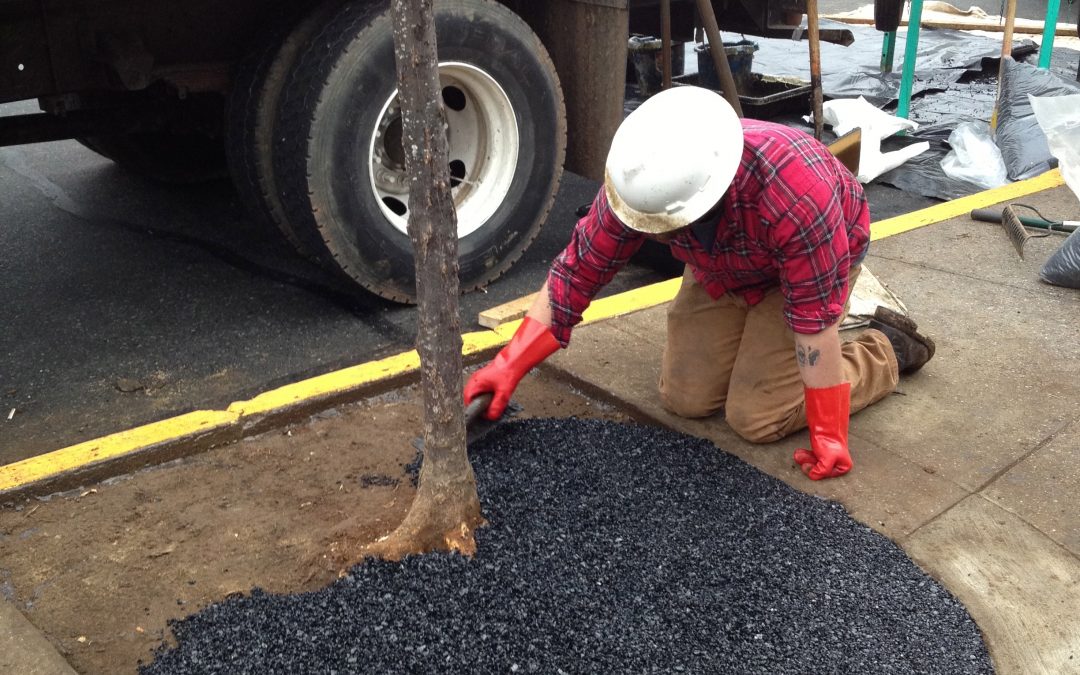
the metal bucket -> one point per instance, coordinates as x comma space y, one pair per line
648, 64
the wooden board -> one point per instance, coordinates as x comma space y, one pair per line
510, 311
1030, 28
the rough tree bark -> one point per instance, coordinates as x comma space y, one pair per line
446, 509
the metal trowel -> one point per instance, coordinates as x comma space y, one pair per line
476, 425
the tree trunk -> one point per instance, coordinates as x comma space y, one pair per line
446, 509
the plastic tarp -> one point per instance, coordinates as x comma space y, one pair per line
955, 83
1059, 119
846, 114
1023, 144
852, 71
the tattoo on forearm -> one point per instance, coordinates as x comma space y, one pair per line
807, 357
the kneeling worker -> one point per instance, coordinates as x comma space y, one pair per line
773, 230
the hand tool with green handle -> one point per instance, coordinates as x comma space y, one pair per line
994, 216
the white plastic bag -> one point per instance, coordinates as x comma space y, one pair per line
975, 157
1059, 119
845, 114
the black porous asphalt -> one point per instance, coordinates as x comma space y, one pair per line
611, 548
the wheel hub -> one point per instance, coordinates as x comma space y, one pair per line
483, 142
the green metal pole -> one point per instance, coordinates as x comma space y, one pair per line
911, 48
888, 51
1049, 28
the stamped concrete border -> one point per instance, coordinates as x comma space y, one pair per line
24, 649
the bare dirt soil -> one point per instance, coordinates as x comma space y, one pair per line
103, 569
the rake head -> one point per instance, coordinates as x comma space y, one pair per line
1015, 229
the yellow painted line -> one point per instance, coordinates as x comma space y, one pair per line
110, 447
631, 301
964, 205
330, 383
197, 423
348, 379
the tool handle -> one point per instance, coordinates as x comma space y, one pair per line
994, 216
987, 215
476, 408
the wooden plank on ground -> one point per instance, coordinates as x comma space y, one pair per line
506, 312
1027, 27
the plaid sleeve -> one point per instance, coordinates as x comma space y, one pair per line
599, 246
811, 243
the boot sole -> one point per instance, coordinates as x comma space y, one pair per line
904, 324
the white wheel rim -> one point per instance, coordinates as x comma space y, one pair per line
483, 141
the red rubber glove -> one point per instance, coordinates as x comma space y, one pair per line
827, 413
532, 343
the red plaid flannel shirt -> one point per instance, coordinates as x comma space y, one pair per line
794, 218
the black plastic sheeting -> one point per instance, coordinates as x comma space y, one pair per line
1022, 142
955, 82
611, 548
849, 72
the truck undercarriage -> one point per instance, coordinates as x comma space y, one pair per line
297, 102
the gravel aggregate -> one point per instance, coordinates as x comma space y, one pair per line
611, 548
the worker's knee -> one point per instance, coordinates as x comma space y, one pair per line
687, 406
753, 426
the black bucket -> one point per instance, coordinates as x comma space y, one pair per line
887, 14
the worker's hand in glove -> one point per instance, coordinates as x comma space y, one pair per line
827, 417
532, 343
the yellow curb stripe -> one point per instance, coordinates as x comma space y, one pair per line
631, 301
197, 423
964, 205
110, 447
341, 381
328, 384
349, 379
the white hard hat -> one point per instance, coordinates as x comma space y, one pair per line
672, 159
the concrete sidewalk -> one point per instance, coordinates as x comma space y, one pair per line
24, 650
971, 465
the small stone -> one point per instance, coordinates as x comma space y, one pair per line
129, 385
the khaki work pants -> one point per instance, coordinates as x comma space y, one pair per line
723, 355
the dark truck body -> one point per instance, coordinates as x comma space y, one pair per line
106, 69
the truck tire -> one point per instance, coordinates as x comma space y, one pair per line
338, 155
164, 157
250, 115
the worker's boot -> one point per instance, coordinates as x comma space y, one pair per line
912, 349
